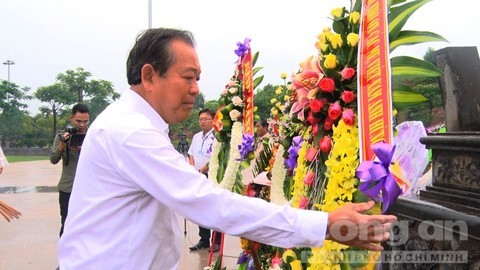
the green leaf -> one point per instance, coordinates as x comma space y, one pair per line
392, 3
399, 15
404, 97
257, 69
257, 81
255, 58
406, 65
414, 37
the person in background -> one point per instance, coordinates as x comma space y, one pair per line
262, 134
132, 184
3, 160
66, 148
199, 155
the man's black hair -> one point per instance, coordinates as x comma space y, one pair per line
153, 47
81, 108
207, 110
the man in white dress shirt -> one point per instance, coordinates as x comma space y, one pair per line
131, 182
199, 155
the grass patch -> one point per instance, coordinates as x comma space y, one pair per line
13, 159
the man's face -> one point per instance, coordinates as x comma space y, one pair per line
206, 121
260, 130
80, 121
174, 94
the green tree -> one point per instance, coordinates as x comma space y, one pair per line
57, 98
262, 100
212, 104
13, 111
199, 101
75, 81
74, 86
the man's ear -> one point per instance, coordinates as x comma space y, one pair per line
147, 74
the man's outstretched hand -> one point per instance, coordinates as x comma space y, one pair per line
348, 225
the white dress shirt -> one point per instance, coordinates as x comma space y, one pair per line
131, 183
200, 148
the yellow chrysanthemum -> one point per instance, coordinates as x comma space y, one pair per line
279, 90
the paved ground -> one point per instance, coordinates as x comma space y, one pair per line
30, 243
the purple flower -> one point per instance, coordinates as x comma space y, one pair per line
246, 147
243, 258
291, 162
243, 48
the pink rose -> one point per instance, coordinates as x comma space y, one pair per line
335, 111
348, 117
308, 179
311, 153
325, 144
347, 73
327, 85
348, 96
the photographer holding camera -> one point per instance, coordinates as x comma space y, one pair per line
66, 147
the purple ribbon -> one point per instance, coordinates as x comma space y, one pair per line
291, 162
246, 147
375, 177
243, 47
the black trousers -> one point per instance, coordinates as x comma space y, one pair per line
63, 199
204, 234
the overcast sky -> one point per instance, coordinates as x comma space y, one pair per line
48, 37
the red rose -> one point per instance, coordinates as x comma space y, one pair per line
328, 124
316, 105
335, 111
325, 144
348, 117
326, 85
348, 96
347, 73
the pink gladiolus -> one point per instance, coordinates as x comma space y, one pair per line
325, 144
303, 203
311, 153
308, 180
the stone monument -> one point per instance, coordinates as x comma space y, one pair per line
440, 227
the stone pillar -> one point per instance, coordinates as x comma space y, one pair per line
460, 87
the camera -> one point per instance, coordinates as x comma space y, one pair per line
71, 129
74, 139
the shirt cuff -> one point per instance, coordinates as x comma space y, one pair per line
313, 226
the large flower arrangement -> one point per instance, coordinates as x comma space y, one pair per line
316, 128
232, 149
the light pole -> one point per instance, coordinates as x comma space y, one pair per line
9, 63
149, 14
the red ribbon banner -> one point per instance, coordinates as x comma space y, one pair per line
247, 93
374, 85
